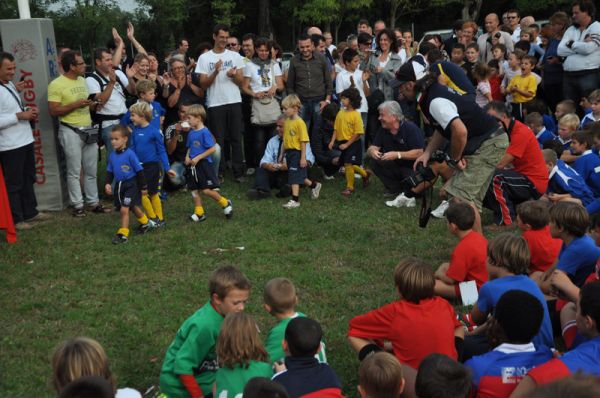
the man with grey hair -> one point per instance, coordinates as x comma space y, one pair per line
394, 149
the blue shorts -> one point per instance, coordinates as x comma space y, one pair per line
352, 154
127, 193
296, 174
202, 176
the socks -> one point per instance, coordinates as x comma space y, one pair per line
360, 171
313, 184
143, 220
123, 231
199, 210
157, 205
569, 333
295, 198
147, 205
222, 202
349, 171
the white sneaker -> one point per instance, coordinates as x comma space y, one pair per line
401, 201
228, 210
441, 209
292, 204
329, 177
315, 192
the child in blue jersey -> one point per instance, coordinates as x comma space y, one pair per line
508, 265
594, 115
565, 184
517, 319
535, 122
567, 125
201, 176
588, 163
146, 91
125, 169
149, 145
583, 359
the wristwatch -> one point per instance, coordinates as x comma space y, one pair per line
399, 155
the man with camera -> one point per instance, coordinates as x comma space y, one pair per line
476, 141
493, 36
394, 149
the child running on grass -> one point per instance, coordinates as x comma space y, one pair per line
125, 169
201, 175
241, 355
347, 130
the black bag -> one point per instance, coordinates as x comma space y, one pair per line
89, 135
374, 100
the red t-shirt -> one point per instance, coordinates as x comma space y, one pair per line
529, 159
415, 330
495, 83
467, 262
543, 247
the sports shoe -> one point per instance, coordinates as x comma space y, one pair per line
228, 210
367, 179
142, 229
23, 225
196, 218
250, 171
315, 192
347, 192
401, 201
441, 209
79, 213
257, 194
292, 204
40, 217
119, 238
160, 223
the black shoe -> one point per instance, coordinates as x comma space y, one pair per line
158, 223
119, 238
258, 194
79, 213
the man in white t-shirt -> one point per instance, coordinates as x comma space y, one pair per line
107, 86
221, 75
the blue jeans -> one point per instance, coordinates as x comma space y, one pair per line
179, 179
105, 133
311, 114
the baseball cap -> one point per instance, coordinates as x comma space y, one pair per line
409, 72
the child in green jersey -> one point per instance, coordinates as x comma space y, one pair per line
280, 301
241, 354
190, 365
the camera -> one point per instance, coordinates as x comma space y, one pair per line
425, 174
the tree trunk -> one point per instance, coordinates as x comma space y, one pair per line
394, 4
471, 9
264, 19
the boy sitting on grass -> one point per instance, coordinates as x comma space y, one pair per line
587, 164
380, 376
190, 365
565, 184
417, 324
280, 301
467, 262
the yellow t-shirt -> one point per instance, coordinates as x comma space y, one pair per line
348, 123
294, 133
523, 83
66, 91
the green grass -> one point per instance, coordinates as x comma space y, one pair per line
65, 278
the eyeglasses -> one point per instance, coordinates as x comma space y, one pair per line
513, 17
229, 45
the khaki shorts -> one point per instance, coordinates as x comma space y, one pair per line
471, 184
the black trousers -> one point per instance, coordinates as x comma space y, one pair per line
507, 190
255, 142
18, 166
391, 174
225, 122
265, 180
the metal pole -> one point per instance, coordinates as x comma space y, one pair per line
24, 12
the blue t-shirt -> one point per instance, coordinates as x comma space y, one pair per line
563, 179
578, 259
123, 164
148, 144
586, 358
588, 119
200, 141
490, 293
544, 135
157, 112
549, 123
588, 167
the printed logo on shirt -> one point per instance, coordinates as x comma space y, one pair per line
125, 168
226, 65
196, 144
513, 374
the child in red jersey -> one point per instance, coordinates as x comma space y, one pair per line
532, 218
417, 324
467, 262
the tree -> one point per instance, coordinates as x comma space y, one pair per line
537, 5
400, 8
264, 19
348, 11
223, 12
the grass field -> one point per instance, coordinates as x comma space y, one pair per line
65, 278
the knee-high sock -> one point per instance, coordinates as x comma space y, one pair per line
157, 205
360, 171
349, 171
147, 205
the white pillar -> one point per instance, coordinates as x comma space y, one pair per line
24, 12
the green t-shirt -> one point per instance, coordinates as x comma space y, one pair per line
231, 382
276, 337
192, 352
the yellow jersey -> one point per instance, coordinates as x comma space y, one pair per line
348, 123
66, 91
523, 83
294, 134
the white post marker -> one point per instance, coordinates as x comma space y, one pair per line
24, 12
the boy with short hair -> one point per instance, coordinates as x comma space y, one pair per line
442, 377
585, 358
380, 376
303, 374
514, 69
517, 319
280, 301
594, 115
523, 87
190, 364
564, 107
467, 262
146, 92
261, 387
457, 56
587, 164
535, 122
567, 125
532, 219
295, 139
565, 184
